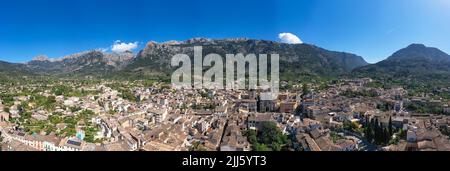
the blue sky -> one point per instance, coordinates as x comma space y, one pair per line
373, 29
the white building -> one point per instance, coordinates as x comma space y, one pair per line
158, 114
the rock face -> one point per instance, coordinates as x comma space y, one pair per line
41, 58
85, 63
294, 59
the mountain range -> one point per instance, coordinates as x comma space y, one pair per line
81, 64
415, 62
295, 59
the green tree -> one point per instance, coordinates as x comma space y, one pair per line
305, 89
260, 147
268, 138
61, 90
55, 119
1, 141
90, 133
272, 136
270, 133
390, 126
387, 136
197, 146
376, 130
75, 108
251, 136
368, 130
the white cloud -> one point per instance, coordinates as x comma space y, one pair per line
289, 38
119, 47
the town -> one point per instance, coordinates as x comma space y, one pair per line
107, 115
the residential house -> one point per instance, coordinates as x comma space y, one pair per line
159, 115
255, 120
288, 107
267, 106
233, 140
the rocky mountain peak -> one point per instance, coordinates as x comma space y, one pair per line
41, 58
420, 52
